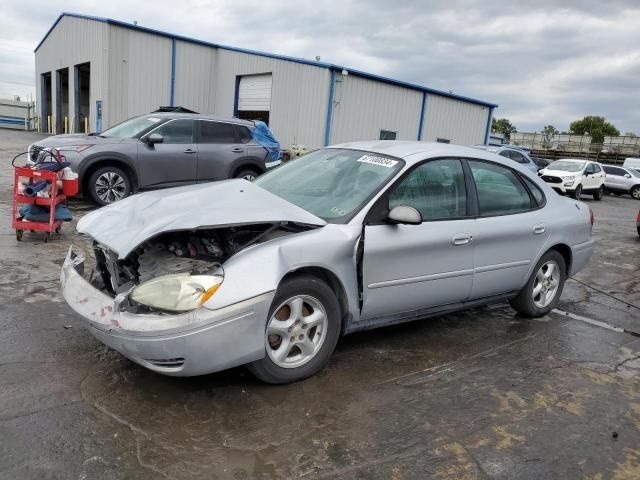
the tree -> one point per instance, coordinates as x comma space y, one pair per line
548, 133
630, 134
503, 126
595, 126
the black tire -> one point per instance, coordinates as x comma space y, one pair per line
19, 235
598, 194
249, 174
524, 302
577, 193
266, 369
118, 191
635, 192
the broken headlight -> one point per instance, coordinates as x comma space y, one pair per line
178, 292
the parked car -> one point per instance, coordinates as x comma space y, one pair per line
514, 153
621, 180
633, 163
347, 238
160, 150
575, 177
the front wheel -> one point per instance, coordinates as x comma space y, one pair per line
598, 194
301, 332
543, 289
247, 174
577, 193
109, 184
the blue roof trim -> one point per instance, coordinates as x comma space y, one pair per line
303, 61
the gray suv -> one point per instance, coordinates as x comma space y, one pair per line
622, 180
160, 150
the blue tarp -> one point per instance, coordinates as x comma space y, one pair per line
264, 136
37, 213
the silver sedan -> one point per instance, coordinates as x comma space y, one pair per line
198, 279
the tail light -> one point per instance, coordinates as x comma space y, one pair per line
592, 217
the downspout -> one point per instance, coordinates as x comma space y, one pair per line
173, 72
327, 129
422, 109
488, 129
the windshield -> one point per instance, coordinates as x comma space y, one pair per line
566, 166
331, 183
131, 128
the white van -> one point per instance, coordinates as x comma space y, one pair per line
632, 163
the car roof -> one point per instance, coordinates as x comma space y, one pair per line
413, 152
576, 160
200, 116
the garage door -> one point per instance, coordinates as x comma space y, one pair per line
255, 93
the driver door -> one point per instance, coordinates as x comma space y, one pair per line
174, 161
414, 267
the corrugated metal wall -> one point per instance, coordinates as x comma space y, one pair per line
299, 95
363, 107
139, 74
71, 42
195, 73
462, 123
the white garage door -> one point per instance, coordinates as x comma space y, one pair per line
255, 93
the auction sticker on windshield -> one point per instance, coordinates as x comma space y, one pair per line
381, 161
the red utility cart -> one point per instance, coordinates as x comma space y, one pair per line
34, 176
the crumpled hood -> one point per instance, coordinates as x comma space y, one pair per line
56, 141
124, 225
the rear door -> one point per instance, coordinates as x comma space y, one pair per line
219, 148
172, 162
615, 179
510, 230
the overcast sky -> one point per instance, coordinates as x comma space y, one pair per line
542, 61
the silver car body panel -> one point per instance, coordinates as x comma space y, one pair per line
408, 271
124, 225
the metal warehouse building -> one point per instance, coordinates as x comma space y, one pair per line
92, 73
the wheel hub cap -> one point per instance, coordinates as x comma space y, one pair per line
296, 331
110, 187
545, 284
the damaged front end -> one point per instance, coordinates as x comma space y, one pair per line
152, 305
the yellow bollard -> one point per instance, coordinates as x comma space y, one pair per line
86, 124
49, 124
66, 124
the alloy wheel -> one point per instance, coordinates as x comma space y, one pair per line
110, 187
249, 176
296, 331
545, 284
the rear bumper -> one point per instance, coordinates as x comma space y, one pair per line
193, 343
581, 255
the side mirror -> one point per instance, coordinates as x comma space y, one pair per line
154, 138
626, 175
404, 215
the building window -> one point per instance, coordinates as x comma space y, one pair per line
443, 140
387, 135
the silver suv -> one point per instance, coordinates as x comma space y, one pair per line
160, 150
622, 180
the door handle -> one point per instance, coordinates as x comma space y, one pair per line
538, 229
461, 239
188, 150
237, 150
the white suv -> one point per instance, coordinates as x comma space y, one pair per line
622, 180
575, 177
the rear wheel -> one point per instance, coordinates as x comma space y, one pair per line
598, 194
543, 289
577, 193
248, 174
635, 192
301, 332
109, 184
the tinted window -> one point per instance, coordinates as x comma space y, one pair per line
589, 168
518, 157
614, 171
436, 189
535, 190
216, 132
499, 189
176, 131
505, 153
596, 168
387, 135
244, 134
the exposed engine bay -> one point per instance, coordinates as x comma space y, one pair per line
198, 252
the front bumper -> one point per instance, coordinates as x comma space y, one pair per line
192, 343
